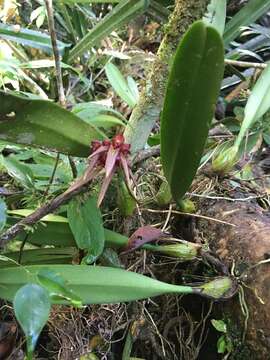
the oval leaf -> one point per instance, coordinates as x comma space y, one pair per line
120, 85
44, 124
32, 308
191, 95
85, 221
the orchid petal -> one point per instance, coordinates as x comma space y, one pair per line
111, 160
104, 187
100, 150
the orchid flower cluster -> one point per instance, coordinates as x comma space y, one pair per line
109, 155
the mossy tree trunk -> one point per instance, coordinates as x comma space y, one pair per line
147, 111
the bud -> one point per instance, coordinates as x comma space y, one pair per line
164, 195
220, 288
225, 160
187, 206
182, 251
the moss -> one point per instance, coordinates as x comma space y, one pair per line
240, 349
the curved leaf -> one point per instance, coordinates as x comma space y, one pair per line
189, 103
35, 39
257, 105
248, 14
118, 16
44, 124
18, 170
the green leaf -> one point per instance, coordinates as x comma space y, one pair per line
219, 325
125, 201
18, 170
247, 15
85, 221
42, 256
120, 85
98, 115
57, 286
191, 95
87, 1
3, 214
100, 285
257, 105
216, 15
120, 15
32, 308
35, 39
221, 345
44, 124
58, 233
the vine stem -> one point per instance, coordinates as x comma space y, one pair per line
57, 59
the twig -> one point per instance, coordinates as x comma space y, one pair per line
226, 198
145, 154
73, 167
189, 214
245, 64
59, 80
52, 177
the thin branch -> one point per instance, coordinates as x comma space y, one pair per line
52, 176
51, 25
73, 167
245, 64
188, 214
145, 154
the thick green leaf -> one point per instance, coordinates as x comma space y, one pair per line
120, 85
3, 214
120, 15
257, 105
248, 14
216, 15
85, 221
191, 95
32, 308
35, 39
44, 124
18, 170
99, 285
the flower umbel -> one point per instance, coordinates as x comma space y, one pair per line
110, 155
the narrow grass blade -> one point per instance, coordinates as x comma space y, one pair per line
120, 15
248, 14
